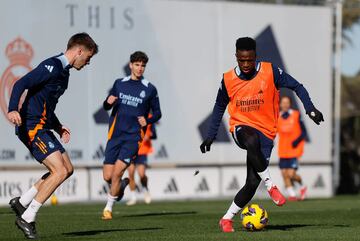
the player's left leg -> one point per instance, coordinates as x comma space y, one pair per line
127, 151
297, 178
141, 169
117, 187
132, 184
259, 149
289, 173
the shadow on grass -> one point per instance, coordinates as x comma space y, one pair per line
160, 214
95, 232
287, 226
295, 226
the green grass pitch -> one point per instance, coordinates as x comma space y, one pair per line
318, 219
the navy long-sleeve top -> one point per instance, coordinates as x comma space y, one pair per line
135, 98
281, 80
44, 84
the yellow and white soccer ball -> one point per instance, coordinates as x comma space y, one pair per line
254, 217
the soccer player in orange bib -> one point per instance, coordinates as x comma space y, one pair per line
292, 136
250, 91
139, 164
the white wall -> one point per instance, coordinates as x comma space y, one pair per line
190, 45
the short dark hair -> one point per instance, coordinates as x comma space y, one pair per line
286, 97
245, 43
139, 56
83, 39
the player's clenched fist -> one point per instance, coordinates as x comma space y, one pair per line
14, 117
111, 99
205, 146
65, 134
142, 121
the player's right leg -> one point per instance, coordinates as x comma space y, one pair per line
19, 204
132, 185
244, 196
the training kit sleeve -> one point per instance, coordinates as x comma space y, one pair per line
222, 100
284, 80
31, 79
155, 108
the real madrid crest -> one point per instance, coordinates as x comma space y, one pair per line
19, 53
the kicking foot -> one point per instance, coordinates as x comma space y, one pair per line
147, 197
303, 191
123, 184
28, 229
276, 196
292, 199
16, 206
226, 225
131, 202
107, 215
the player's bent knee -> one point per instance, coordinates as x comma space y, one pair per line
107, 178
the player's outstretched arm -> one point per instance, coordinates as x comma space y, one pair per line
284, 80
222, 101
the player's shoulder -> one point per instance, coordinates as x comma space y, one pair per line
145, 82
52, 65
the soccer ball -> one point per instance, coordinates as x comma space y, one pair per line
254, 217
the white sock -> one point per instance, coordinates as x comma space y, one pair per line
232, 211
265, 176
110, 202
291, 192
132, 195
30, 213
28, 196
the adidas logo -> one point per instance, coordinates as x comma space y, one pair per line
162, 153
49, 67
319, 183
234, 185
171, 187
203, 186
100, 153
104, 189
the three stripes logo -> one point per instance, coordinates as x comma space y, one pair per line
161, 153
319, 182
99, 153
234, 185
203, 186
171, 187
49, 67
104, 189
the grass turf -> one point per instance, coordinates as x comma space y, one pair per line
321, 219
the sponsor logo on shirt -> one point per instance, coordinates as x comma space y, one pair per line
130, 100
249, 104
